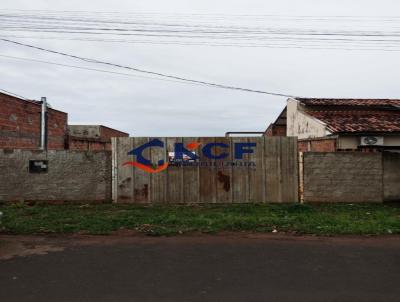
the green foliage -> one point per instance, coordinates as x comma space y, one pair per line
319, 219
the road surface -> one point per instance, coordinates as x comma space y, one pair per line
199, 268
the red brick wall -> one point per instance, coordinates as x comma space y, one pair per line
317, 145
78, 145
107, 133
82, 144
100, 146
57, 129
20, 124
276, 130
95, 144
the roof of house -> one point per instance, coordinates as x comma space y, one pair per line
358, 121
92, 131
349, 102
355, 115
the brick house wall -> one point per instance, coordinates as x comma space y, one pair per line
20, 124
88, 144
77, 144
275, 130
56, 129
99, 138
108, 133
317, 145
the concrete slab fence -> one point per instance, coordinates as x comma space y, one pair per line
268, 174
350, 177
272, 173
71, 176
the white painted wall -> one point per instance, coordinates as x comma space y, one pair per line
86, 131
352, 142
391, 140
348, 142
301, 124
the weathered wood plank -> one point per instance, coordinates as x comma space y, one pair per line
273, 169
257, 172
223, 172
125, 173
191, 180
296, 174
158, 186
240, 174
141, 189
289, 170
285, 190
207, 174
174, 175
114, 169
273, 179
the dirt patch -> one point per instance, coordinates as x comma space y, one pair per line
22, 246
15, 247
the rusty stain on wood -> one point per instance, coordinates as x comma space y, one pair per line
225, 179
124, 197
269, 174
142, 194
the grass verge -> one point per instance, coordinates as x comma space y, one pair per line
322, 219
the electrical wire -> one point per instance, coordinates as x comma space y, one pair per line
182, 27
94, 69
362, 47
211, 84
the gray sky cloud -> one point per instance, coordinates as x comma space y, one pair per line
159, 108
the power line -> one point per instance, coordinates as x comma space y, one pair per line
154, 13
294, 45
183, 29
211, 84
94, 69
95, 24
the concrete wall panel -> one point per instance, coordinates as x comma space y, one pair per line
343, 177
71, 176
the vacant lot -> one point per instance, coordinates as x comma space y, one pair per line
324, 219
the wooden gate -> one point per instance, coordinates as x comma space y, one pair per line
211, 169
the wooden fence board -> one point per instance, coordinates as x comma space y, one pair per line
257, 187
272, 157
207, 174
174, 175
224, 174
125, 176
289, 170
270, 174
141, 189
240, 174
158, 187
114, 169
191, 183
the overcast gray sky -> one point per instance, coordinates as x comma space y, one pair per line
149, 107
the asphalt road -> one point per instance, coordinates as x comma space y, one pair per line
205, 268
